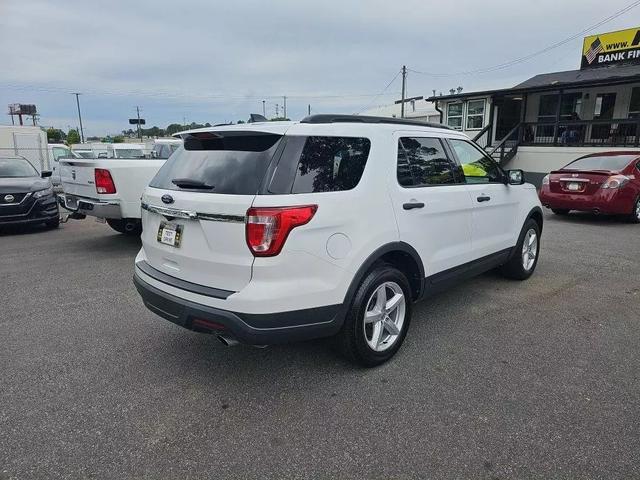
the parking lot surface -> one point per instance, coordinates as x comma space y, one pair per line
497, 379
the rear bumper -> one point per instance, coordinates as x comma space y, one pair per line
91, 207
614, 202
252, 329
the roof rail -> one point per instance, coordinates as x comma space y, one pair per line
337, 118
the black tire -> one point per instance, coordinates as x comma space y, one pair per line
351, 338
127, 226
53, 223
560, 211
515, 268
634, 216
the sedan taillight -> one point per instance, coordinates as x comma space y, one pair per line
268, 228
615, 181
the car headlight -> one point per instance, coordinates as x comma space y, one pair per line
43, 193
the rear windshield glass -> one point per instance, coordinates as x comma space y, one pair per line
226, 162
16, 167
320, 164
613, 162
128, 153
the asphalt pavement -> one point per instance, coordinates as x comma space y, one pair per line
497, 379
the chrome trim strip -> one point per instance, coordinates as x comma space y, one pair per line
579, 180
190, 214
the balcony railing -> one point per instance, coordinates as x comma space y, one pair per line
613, 132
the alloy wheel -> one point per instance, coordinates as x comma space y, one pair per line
529, 249
384, 316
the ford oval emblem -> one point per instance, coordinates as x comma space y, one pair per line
167, 199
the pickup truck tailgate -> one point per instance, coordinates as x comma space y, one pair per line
78, 178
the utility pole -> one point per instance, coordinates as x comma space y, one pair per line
79, 116
138, 113
404, 86
309, 109
285, 106
264, 109
277, 116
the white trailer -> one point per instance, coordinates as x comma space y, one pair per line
27, 142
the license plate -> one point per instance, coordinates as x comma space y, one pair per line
170, 234
574, 186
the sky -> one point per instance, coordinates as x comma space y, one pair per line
216, 61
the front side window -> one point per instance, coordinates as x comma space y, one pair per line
454, 115
59, 152
422, 162
475, 114
476, 166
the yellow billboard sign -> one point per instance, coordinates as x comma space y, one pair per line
611, 48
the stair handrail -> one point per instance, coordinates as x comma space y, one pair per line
501, 143
481, 132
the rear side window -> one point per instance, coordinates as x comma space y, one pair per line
228, 162
320, 164
423, 161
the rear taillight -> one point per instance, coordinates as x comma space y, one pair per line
545, 180
268, 228
615, 181
104, 182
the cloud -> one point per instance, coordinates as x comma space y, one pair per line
216, 60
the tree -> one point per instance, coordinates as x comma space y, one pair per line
239, 122
118, 139
55, 135
280, 119
174, 128
73, 137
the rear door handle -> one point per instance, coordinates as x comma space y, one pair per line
483, 198
412, 205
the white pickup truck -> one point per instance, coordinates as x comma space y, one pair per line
107, 188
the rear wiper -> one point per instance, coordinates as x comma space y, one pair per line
191, 183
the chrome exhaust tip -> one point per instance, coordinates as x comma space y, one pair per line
227, 341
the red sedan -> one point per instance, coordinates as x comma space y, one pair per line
607, 183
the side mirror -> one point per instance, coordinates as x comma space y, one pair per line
515, 177
45, 173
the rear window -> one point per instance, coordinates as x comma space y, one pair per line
230, 162
320, 164
612, 162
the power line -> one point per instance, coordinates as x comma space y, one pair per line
510, 63
381, 93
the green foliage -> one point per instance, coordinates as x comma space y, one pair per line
280, 119
73, 137
118, 139
55, 135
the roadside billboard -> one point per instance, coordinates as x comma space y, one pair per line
612, 48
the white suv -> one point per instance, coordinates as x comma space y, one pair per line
265, 233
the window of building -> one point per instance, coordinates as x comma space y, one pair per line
477, 167
634, 104
570, 109
454, 115
422, 162
475, 114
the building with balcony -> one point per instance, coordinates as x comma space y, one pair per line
551, 119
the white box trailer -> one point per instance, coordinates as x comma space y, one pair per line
27, 142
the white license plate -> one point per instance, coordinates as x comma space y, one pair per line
170, 234
574, 186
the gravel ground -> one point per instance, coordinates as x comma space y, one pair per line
497, 379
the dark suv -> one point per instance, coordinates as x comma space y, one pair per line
26, 197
